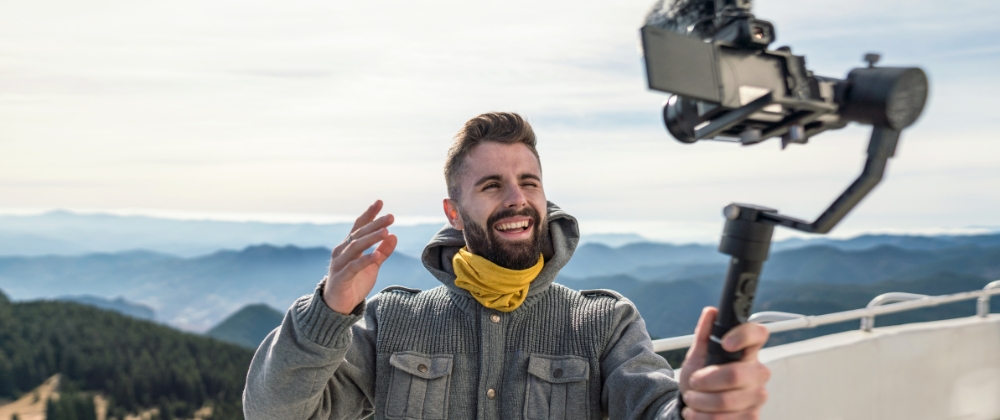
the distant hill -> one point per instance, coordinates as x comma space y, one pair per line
914, 242
822, 263
193, 293
68, 233
594, 259
672, 308
830, 265
63, 232
136, 364
119, 304
248, 326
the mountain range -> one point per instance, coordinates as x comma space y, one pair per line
197, 293
67, 233
62, 232
190, 293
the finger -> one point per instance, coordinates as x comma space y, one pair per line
354, 249
726, 402
374, 225
691, 414
696, 355
366, 218
730, 376
368, 215
351, 269
749, 337
385, 248
378, 257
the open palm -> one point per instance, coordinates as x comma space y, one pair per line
352, 273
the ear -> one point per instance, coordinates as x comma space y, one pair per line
451, 212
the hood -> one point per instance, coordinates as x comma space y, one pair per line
564, 235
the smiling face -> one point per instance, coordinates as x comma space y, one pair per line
501, 208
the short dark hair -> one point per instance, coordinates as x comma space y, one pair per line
499, 127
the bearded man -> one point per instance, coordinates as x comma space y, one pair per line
499, 339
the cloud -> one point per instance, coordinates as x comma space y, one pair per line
305, 106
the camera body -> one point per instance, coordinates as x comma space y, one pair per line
713, 56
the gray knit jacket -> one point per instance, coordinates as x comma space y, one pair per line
439, 354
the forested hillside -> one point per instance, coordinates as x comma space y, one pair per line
136, 364
248, 326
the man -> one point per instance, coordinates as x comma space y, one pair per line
499, 340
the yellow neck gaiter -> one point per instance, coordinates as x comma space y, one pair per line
493, 286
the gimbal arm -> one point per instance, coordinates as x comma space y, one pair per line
747, 239
881, 147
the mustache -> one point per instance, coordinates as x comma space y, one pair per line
505, 213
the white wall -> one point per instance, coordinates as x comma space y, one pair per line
936, 370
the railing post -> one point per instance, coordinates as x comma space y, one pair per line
983, 303
868, 322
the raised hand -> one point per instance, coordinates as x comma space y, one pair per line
352, 273
730, 391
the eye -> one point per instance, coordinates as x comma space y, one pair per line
491, 185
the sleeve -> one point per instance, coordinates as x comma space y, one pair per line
319, 364
638, 383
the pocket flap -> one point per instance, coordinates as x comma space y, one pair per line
559, 369
422, 365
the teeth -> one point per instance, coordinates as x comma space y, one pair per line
514, 225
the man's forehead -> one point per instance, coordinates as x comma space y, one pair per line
492, 158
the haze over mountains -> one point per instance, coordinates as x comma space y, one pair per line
67, 233
196, 293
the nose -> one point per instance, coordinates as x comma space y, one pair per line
515, 197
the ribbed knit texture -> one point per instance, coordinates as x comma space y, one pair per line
321, 324
426, 322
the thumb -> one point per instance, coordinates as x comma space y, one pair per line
698, 352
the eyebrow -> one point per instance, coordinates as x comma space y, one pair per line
495, 177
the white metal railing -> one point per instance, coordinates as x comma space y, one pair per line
883, 304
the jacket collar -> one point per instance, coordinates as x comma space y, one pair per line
564, 235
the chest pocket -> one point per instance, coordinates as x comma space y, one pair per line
419, 386
557, 388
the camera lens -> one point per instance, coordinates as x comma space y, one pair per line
681, 116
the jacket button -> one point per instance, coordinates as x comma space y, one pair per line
422, 368
557, 373
491, 393
495, 318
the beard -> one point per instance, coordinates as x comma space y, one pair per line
513, 255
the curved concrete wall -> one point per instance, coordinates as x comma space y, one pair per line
935, 370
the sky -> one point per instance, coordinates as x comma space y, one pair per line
312, 109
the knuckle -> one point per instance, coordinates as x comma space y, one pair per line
722, 400
765, 373
734, 376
